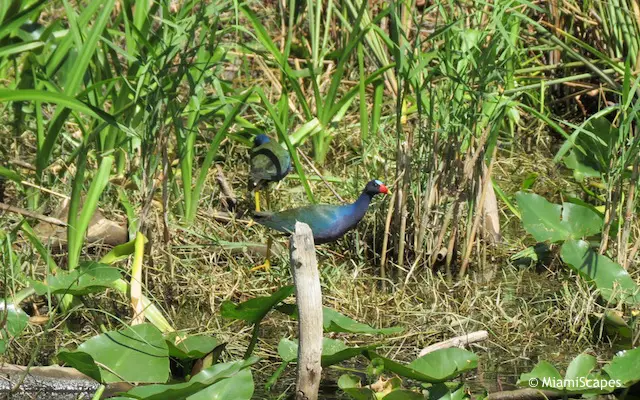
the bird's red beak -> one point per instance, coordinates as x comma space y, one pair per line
383, 189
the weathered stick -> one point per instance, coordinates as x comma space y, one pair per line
228, 198
304, 268
31, 214
458, 341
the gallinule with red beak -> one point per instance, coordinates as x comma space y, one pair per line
327, 222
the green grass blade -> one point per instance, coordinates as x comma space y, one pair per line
213, 149
81, 223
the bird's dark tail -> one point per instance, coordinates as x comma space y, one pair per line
259, 216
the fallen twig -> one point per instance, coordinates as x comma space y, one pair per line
228, 200
31, 214
458, 341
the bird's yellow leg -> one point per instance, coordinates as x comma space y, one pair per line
257, 194
267, 263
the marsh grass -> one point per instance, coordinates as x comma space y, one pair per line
465, 81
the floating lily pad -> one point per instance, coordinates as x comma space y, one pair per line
190, 347
435, 367
89, 277
333, 351
546, 221
613, 282
134, 354
443, 391
333, 321
255, 309
194, 388
237, 387
579, 378
350, 384
625, 367
16, 321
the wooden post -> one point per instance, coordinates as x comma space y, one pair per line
304, 268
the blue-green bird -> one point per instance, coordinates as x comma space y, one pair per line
269, 163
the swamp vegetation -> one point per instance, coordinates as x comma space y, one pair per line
506, 132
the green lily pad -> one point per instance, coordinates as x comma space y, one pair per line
192, 347
442, 391
546, 221
445, 364
16, 321
613, 282
582, 166
255, 309
592, 159
89, 277
117, 356
237, 387
333, 321
350, 384
204, 379
625, 367
403, 394
435, 367
333, 351
579, 378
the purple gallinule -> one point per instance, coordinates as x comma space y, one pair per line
327, 222
270, 162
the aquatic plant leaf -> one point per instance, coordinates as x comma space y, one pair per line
237, 387
445, 363
201, 381
582, 166
442, 391
542, 374
288, 350
190, 347
120, 252
333, 321
16, 321
427, 368
121, 354
625, 367
613, 282
403, 394
360, 393
333, 351
578, 379
89, 277
255, 309
546, 221
529, 180
350, 384
580, 366
593, 157
83, 362
615, 324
